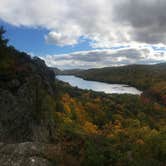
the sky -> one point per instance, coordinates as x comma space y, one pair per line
87, 34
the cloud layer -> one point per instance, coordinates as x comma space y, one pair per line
105, 22
104, 58
146, 19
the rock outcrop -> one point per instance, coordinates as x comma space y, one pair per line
28, 154
26, 122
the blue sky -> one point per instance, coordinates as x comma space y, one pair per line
87, 34
31, 40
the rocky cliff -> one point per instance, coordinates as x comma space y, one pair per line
26, 121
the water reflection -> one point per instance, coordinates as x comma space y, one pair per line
98, 86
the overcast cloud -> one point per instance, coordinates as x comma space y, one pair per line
146, 18
105, 23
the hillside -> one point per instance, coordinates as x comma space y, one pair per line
45, 122
149, 78
141, 76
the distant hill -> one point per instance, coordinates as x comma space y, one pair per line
140, 76
65, 72
71, 71
56, 70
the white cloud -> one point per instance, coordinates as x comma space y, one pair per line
105, 22
60, 39
105, 58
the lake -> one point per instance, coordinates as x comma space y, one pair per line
98, 86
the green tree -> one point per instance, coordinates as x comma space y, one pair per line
3, 41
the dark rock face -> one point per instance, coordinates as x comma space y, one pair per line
21, 107
25, 86
13, 118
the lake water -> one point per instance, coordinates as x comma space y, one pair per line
98, 86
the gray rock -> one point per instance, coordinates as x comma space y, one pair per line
26, 154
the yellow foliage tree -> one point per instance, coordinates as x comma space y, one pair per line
90, 128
